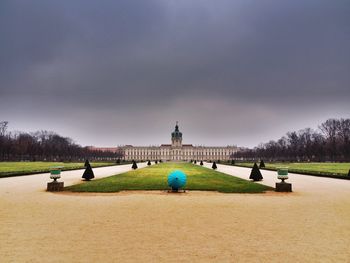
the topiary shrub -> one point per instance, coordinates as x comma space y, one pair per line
195, 162
214, 166
233, 162
149, 163
88, 173
201, 163
255, 174
134, 165
262, 164
349, 173
156, 161
118, 161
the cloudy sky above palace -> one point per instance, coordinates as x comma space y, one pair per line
238, 72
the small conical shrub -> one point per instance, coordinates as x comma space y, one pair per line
118, 161
349, 173
201, 163
195, 162
233, 162
214, 166
160, 161
262, 164
134, 165
88, 173
156, 162
149, 163
255, 174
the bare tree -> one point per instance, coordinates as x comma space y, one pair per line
344, 136
331, 142
3, 128
47, 146
330, 128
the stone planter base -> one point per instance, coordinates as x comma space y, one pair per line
55, 186
283, 187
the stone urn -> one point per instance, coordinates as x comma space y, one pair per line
55, 174
282, 174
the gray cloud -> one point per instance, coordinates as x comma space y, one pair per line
232, 72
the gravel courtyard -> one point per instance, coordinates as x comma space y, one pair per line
312, 224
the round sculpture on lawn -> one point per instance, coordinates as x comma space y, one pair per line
176, 180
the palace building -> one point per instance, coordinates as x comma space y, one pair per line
176, 151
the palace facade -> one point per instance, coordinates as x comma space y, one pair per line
176, 151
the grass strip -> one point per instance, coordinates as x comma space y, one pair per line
155, 178
329, 170
9, 169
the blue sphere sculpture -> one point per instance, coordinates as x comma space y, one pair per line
177, 180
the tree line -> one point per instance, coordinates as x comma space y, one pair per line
46, 146
330, 142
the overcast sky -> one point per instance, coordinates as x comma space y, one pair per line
107, 73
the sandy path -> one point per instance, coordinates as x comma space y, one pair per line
300, 183
310, 225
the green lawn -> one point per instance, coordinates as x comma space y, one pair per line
340, 169
155, 178
20, 168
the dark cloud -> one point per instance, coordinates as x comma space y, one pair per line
232, 72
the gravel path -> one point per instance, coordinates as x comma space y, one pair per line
300, 183
312, 224
39, 181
